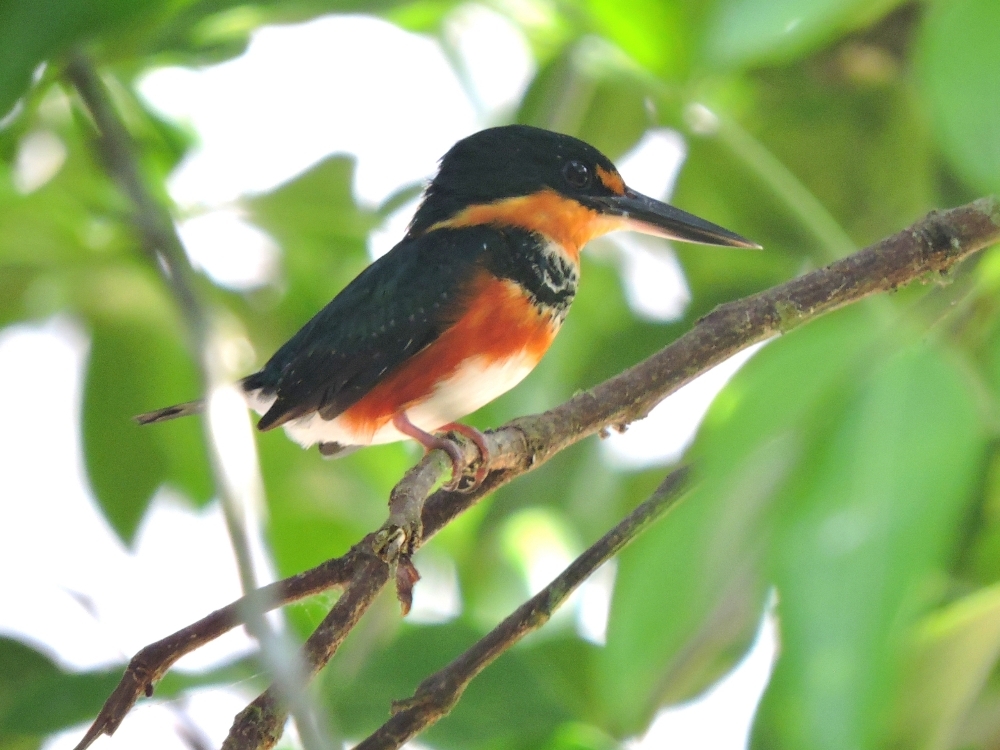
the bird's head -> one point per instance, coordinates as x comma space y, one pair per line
553, 184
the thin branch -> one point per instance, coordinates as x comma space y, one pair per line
159, 240
438, 694
149, 665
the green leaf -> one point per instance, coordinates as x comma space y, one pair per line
818, 168
863, 535
138, 362
33, 30
506, 706
690, 591
744, 33
37, 698
959, 65
323, 234
652, 32
951, 655
591, 91
862, 150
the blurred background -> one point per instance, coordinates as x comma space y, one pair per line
832, 579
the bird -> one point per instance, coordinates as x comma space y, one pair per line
464, 306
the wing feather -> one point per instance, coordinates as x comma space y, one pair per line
396, 307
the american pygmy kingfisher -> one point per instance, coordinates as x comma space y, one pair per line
465, 305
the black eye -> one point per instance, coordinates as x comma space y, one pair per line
576, 174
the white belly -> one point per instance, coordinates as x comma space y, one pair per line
475, 384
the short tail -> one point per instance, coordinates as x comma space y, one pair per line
171, 412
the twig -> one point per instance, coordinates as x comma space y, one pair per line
149, 665
438, 694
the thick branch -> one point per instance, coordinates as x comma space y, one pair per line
438, 694
932, 245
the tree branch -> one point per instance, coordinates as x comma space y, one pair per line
931, 246
438, 694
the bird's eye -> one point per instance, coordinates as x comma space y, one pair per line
576, 174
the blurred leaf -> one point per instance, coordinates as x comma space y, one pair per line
33, 30
137, 363
712, 185
323, 234
951, 656
689, 592
37, 698
504, 707
826, 164
422, 16
642, 31
861, 536
73, 219
576, 736
590, 91
744, 33
960, 76
861, 148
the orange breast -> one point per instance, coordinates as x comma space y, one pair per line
560, 219
498, 323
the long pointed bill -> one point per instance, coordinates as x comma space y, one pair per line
643, 214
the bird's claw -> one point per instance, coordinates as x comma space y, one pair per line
394, 544
459, 467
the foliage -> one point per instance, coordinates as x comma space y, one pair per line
851, 464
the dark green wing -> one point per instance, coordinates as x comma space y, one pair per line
397, 306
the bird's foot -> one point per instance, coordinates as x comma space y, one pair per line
458, 464
482, 466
